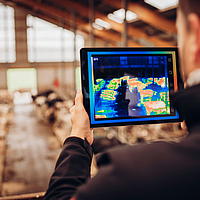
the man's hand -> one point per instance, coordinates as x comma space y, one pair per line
184, 126
80, 120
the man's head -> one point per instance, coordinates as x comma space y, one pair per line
188, 27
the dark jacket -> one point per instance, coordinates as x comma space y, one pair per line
160, 170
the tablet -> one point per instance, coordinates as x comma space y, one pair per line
129, 86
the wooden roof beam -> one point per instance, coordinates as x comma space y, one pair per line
146, 15
67, 26
80, 23
136, 33
110, 36
84, 10
45, 8
153, 18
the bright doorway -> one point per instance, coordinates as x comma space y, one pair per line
23, 82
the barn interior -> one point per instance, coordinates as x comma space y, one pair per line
40, 42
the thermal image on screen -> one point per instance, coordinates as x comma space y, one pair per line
130, 86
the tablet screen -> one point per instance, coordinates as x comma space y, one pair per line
131, 86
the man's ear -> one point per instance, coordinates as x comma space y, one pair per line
194, 22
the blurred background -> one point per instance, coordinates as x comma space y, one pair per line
40, 72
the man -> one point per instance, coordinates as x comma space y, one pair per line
159, 170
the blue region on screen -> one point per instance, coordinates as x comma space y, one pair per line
125, 96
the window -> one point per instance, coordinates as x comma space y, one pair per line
50, 43
7, 34
21, 79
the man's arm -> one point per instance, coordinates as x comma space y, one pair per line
72, 169
73, 165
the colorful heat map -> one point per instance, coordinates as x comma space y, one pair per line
126, 96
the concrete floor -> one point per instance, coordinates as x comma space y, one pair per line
31, 153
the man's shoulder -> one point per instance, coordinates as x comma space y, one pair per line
158, 170
154, 157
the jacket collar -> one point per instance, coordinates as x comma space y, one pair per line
187, 102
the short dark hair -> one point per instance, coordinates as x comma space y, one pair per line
189, 6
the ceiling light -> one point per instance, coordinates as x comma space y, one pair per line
120, 13
94, 25
130, 15
119, 16
102, 23
162, 4
114, 18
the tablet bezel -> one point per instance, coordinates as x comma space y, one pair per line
85, 82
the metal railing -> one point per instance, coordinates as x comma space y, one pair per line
32, 196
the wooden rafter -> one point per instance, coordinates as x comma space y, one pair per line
113, 37
85, 12
151, 17
136, 33
55, 20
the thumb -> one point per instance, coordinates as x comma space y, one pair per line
79, 98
